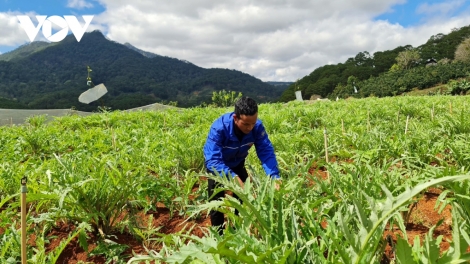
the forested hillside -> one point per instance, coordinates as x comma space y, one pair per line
53, 76
381, 74
11, 104
25, 51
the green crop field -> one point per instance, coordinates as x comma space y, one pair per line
20, 116
104, 173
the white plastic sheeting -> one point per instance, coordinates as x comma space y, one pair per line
93, 94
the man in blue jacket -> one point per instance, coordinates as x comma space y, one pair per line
230, 138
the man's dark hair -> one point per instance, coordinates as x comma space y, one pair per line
246, 106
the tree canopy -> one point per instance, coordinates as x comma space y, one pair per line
462, 53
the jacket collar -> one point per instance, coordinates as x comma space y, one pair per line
231, 126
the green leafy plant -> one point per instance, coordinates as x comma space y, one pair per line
101, 198
112, 251
225, 98
147, 234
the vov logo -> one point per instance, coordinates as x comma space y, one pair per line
64, 23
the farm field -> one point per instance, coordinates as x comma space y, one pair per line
375, 180
19, 116
10, 117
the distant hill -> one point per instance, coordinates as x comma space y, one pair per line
371, 72
24, 50
53, 76
143, 52
279, 83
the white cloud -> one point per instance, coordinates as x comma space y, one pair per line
440, 8
79, 4
273, 40
12, 34
279, 40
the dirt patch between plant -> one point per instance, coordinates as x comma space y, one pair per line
424, 215
162, 218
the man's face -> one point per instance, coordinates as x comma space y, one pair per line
245, 122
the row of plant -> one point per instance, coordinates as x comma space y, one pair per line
99, 172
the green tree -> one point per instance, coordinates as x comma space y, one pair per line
408, 58
395, 67
462, 53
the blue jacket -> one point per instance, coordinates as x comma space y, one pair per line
223, 150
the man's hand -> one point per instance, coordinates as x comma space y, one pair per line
277, 184
240, 182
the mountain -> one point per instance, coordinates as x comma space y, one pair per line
279, 83
143, 52
53, 77
24, 50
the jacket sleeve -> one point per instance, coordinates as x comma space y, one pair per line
265, 152
213, 154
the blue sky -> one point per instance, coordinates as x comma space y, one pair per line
52, 7
271, 40
413, 13
48, 8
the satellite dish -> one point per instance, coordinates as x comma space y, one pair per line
93, 94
